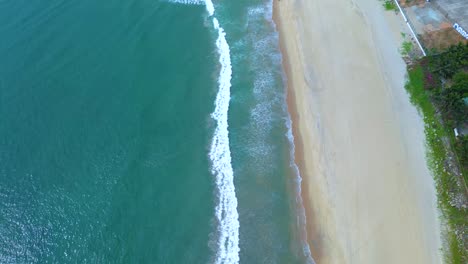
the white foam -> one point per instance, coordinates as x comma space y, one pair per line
266, 48
188, 2
227, 217
226, 210
210, 7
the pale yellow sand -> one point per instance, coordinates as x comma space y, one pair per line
369, 194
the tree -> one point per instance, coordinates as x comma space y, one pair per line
460, 83
451, 100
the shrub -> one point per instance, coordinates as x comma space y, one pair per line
390, 5
462, 150
449, 62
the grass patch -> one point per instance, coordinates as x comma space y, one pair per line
390, 5
406, 48
446, 184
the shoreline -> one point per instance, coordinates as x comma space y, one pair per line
314, 237
298, 153
324, 198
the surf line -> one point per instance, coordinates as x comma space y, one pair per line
226, 213
227, 217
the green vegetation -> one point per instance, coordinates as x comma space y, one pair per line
390, 5
437, 86
462, 149
406, 48
407, 45
449, 62
451, 100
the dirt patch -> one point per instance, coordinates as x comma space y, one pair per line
441, 39
407, 3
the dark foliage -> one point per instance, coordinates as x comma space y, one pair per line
450, 100
450, 61
462, 150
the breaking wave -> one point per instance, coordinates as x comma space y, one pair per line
227, 218
220, 155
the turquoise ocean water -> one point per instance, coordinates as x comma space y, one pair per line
145, 131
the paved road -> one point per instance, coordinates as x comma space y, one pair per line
455, 10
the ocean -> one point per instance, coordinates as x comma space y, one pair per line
147, 131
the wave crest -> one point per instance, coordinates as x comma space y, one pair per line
226, 210
188, 2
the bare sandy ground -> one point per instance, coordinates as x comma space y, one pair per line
368, 193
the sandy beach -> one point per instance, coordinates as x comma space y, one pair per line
368, 193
